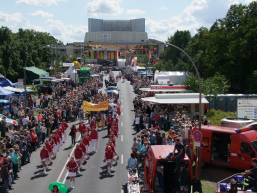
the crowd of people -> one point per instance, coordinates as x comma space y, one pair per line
43, 123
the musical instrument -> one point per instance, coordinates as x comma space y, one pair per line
115, 157
48, 162
86, 157
52, 155
114, 163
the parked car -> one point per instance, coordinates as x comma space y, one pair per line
10, 122
112, 89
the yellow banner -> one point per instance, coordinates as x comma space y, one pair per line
95, 107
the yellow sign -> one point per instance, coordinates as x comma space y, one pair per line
95, 107
141, 64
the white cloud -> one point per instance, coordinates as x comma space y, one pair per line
199, 13
10, 18
249, 1
110, 7
42, 14
40, 2
134, 11
163, 8
66, 33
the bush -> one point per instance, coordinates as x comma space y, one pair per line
216, 116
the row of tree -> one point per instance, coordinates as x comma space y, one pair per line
25, 45
226, 53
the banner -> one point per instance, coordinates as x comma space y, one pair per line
95, 107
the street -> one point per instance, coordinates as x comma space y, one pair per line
93, 177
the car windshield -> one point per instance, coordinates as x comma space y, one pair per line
254, 144
112, 88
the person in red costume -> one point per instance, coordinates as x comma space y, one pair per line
108, 159
109, 123
82, 128
64, 126
94, 138
72, 167
86, 140
44, 155
78, 155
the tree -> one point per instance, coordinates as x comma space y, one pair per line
64, 58
74, 58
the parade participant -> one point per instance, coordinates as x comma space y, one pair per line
94, 138
53, 144
86, 140
112, 138
92, 123
49, 147
109, 124
102, 121
108, 159
73, 135
78, 155
82, 128
83, 147
110, 144
72, 167
44, 155
65, 126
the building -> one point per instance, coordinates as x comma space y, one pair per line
114, 39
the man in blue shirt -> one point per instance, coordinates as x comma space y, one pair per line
253, 173
153, 138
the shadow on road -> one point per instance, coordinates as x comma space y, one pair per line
41, 175
104, 173
67, 148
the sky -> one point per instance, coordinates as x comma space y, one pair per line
67, 20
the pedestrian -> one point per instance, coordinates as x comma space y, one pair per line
253, 173
137, 122
132, 161
44, 155
5, 176
94, 138
73, 135
3, 126
55, 189
15, 160
108, 159
72, 167
82, 128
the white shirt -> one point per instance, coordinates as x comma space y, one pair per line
24, 121
43, 129
11, 134
137, 120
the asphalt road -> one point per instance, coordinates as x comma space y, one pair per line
93, 177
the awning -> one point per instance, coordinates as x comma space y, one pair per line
162, 90
5, 93
181, 98
37, 71
19, 90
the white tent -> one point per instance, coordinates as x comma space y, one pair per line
174, 77
71, 73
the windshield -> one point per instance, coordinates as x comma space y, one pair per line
254, 144
84, 74
112, 88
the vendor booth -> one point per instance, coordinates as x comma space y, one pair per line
5, 93
35, 73
71, 73
190, 99
164, 88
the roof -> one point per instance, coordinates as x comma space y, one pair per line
180, 98
37, 71
162, 151
20, 90
5, 82
5, 93
225, 129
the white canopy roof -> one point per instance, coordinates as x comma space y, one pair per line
163, 90
181, 98
20, 90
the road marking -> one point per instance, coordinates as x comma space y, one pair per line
59, 177
121, 95
121, 113
122, 191
122, 100
121, 137
122, 106
121, 124
121, 159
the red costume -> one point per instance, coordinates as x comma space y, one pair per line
108, 154
94, 134
78, 153
72, 166
44, 154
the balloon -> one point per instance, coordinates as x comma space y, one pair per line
14, 122
40, 117
72, 92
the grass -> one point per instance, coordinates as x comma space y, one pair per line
206, 186
216, 116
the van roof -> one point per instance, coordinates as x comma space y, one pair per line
225, 129
161, 151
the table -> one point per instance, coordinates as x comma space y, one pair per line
133, 188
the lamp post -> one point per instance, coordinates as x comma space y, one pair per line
25, 77
200, 104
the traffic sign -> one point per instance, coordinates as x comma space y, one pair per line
197, 135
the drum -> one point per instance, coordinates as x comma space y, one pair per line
114, 162
52, 156
115, 157
87, 157
81, 161
85, 162
48, 162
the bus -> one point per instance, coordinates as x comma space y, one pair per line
84, 73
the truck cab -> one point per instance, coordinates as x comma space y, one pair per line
160, 175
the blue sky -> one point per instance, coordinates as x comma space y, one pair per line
67, 20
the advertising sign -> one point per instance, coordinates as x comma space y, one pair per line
247, 108
67, 64
95, 107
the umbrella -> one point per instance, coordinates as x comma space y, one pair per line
62, 187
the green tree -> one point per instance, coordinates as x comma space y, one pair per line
64, 58
74, 58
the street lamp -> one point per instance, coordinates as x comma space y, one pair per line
200, 104
25, 77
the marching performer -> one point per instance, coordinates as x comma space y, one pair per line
86, 140
72, 167
82, 128
44, 155
78, 155
94, 138
65, 126
108, 159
